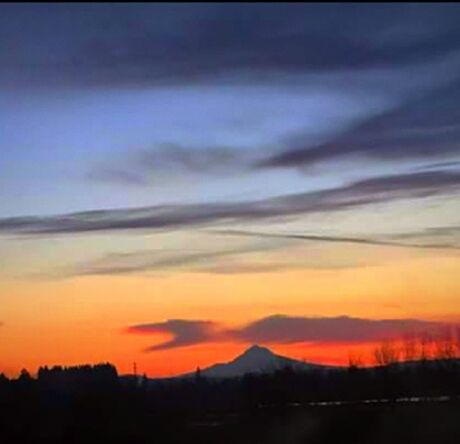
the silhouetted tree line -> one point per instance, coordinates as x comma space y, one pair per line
77, 378
443, 344
90, 403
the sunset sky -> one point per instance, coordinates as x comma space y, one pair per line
179, 182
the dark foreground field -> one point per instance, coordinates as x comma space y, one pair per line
436, 422
410, 404
373, 424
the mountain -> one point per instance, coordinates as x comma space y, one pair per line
256, 359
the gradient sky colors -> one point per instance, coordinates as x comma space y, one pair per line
173, 177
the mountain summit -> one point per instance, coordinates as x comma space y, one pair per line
256, 359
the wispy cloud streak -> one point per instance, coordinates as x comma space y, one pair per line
424, 128
350, 240
168, 217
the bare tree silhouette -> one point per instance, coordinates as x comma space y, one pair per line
386, 353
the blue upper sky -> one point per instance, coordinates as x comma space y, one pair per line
225, 112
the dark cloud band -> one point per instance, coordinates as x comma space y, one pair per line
139, 45
287, 329
183, 332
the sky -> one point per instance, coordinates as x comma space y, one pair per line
181, 181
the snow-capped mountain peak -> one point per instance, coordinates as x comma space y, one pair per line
255, 359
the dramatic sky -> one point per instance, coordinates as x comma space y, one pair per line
178, 182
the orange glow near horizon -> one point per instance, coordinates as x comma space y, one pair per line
83, 320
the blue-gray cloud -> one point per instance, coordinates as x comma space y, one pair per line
168, 217
423, 128
146, 166
139, 45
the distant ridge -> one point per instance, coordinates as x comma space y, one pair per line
261, 360
256, 359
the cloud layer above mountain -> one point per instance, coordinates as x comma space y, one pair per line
279, 329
